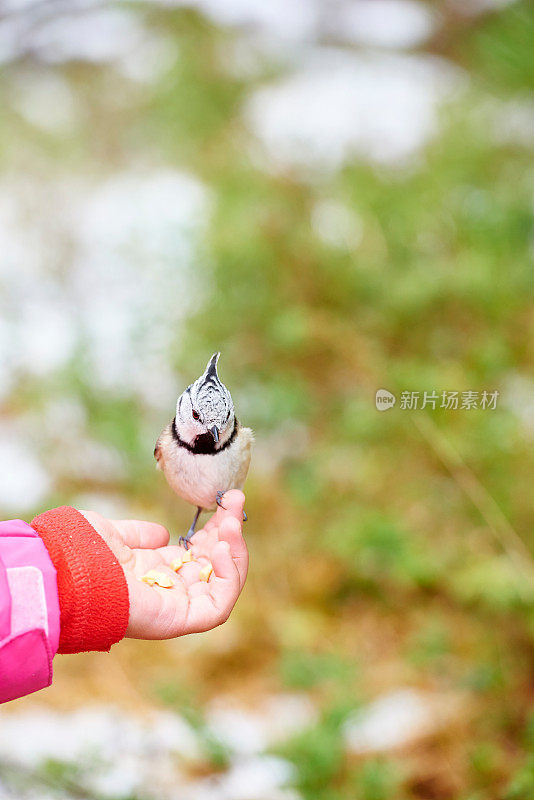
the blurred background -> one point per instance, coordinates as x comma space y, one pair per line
339, 196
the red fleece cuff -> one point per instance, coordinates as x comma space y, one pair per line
92, 588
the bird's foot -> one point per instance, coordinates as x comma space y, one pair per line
218, 499
186, 540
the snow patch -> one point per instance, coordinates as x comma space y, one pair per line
397, 719
384, 23
117, 754
246, 732
340, 106
129, 248
24, 483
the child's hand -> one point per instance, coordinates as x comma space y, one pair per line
191, 605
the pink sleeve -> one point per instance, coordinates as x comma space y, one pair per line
29, 611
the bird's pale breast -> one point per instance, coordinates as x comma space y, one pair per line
198, 478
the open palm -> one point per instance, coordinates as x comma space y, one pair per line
191, 605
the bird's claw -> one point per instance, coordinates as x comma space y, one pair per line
218, 499
186, 540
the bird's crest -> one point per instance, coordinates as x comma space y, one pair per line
211, 369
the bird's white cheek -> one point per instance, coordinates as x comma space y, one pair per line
187, 431
227, 430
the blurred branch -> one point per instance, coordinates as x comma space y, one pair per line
504, 533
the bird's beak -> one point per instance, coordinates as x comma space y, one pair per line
215, 433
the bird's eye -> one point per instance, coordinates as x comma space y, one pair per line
196, 415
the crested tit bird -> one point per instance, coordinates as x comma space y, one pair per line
204, 451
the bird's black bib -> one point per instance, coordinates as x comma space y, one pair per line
204, 445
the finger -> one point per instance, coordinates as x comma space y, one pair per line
171, 552
201, 615
223, 564
230, 532
233, 502
203, 540
211, 523
200, 551
225, 587
137, 533
206, 611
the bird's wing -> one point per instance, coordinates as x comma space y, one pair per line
160, 445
